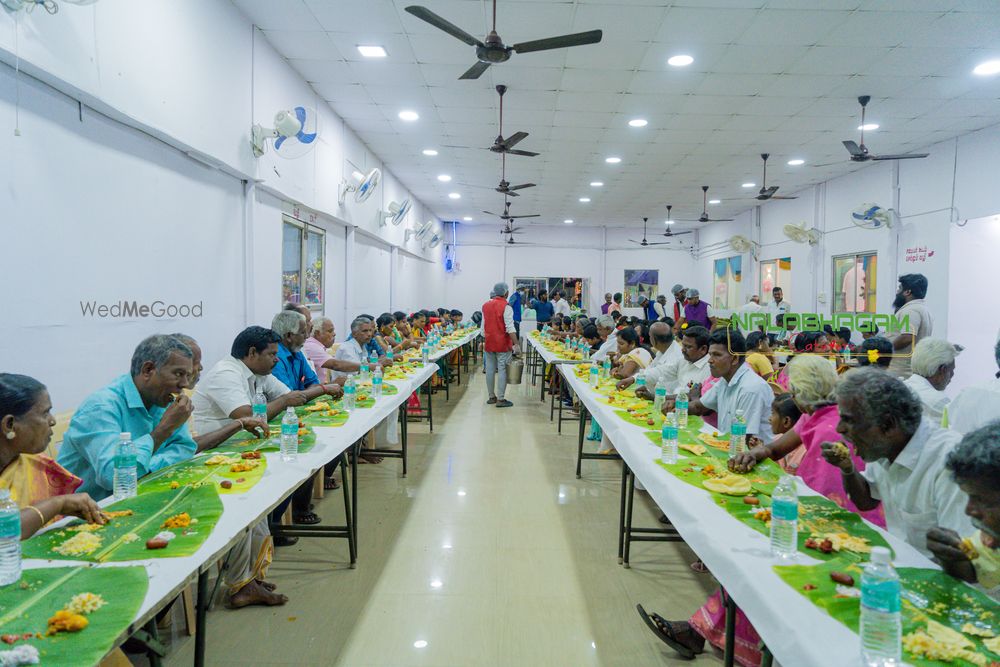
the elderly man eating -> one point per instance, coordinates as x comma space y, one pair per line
933, 366
315, 349
905, 454
609, 335
663, 369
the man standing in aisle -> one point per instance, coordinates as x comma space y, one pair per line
543, 309
516, 302
680, 300
606, 304
500, 343
660, 307
560, 303
909, 303
778, 305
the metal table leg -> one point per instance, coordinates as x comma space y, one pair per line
729, 655
582, 435
351, 504
621, 514
201, 611
541, 396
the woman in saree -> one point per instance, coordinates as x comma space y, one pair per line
40, 486
632, 356
812, 380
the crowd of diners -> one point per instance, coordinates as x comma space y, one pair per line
918, 464
174, 408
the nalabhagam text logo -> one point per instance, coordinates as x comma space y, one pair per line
136, 309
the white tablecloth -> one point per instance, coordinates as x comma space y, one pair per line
796, 631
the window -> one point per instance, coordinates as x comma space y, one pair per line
302, 253
726, 282
855, 283
775, 273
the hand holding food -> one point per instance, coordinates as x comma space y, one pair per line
177, 413
83, 506
334, 390
668, 405
295, 398
256, 426
743, 462
625, 384
642, 392
837, 453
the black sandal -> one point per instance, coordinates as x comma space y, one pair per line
665, 631
306, 518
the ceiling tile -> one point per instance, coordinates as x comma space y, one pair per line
270, 15
687, 27
308, 44
336, 93
760, 59
335, 16
324, 71
791, 27
620, 22
397, 46
588, 80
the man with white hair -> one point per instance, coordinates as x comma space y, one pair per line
606, 330
977, 405
293, 369
315, 349
933, 366
500, 343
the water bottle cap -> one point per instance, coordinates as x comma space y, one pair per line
881, 555
124, 435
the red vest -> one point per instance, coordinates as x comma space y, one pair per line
494, 331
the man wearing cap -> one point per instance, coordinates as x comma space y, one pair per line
680, 300
500, 343
697, 312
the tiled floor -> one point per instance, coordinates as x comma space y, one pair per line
490, 552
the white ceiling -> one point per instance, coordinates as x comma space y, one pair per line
777, 76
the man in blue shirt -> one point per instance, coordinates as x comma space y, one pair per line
516, 302
544, 310
141, 403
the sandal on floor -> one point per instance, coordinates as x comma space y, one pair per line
306, 518
330, 484
663, 629
699, 567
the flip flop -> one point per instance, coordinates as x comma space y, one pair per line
664, 630
306, 518
330, 484
699, 567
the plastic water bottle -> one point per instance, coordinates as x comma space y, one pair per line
425, 353
377, 383
785, 518
681, 407
640, 381
659, 396
595, 376
372, 360
259, 405
363, 372
605, 369
668, 439
289, 435
738, 434
350, 393
389, 354
125, 474
880, 617
10, 539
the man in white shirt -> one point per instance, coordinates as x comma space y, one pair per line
352, 351
909, 303
933, 366
560, 303
978, 405
905, 456
662, 370
606, 330
778, 305
739, 388
751, 306
660, 307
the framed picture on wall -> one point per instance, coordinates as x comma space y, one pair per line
855, 282
640, 282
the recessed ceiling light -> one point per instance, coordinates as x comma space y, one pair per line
680, 61
437, 583
668, 222
749, 185
612, 160
584, 200
714, 201
796, 162
454, 195
461, 494
467, 218
408, 115
568, 221
868, 127
444, 178
420, 643
596, 184
371, 51
429, 152
988, 68
638, 122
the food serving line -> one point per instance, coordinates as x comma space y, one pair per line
168, 577
738, 556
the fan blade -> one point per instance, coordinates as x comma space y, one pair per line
475, 71
524, 153
767, 193
521, 187
508, 193
576, 39
783, 197
853, 148
672, 234
719, 220
427, 15
515, 217
908, 156
494, 214
515, 139
658, 243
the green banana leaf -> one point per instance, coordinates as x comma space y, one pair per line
817, 515
322, 419
763, 478
927, 594
202, 504
194, 472
25, 607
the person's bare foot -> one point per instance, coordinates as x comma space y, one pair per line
266, 584
255, 594
371, 458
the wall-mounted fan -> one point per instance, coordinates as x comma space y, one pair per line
420, 231
51, 6
396, 212
801, 234
492, 50
294, 133
363, 186
432, 241
740, 243
872, 216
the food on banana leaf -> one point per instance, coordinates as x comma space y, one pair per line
66, 621
79, 544
731, 485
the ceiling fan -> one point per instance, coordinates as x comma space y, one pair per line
506, 146
767, 193
492, 50
860, 153
644, 242
507, 216
704, 210
510, 229
669, 221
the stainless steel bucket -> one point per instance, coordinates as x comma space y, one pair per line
515, 371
